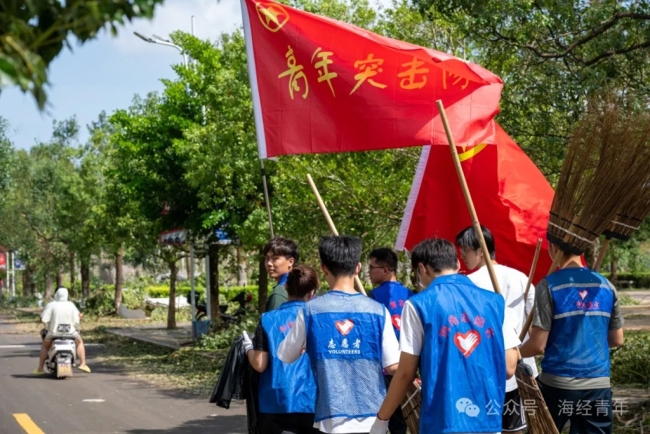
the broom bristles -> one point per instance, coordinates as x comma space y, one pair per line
601, 169
539, 418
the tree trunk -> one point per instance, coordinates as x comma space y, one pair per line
262, 284
72, 274
85, 276
613, 265
242, 278
171, 311
214, 283
48, 287
591, 254
26, 278
119, 277
59, 278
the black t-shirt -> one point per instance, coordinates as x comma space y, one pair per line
261, 342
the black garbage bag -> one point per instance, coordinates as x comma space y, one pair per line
230, 384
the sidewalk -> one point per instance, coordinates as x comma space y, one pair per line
157, 335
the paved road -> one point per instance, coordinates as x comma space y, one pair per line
35, 405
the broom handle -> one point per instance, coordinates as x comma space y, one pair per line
529, 318
468, 197
601, 254
323, 208
533, 267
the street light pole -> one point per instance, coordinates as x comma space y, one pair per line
160, 41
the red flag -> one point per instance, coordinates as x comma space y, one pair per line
511, 196
320, 85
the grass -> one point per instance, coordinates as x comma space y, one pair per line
188, 369
626, 300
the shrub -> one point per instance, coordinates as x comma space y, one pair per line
639, 280
223, 339
630, 362
101, 302
225, 293
19, 301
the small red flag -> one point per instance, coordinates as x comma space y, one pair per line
511, 196
320, 85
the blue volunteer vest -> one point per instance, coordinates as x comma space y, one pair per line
577, 343
393, 295
285, 388
344, 343
462, 361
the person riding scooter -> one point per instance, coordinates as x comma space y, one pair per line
61, 312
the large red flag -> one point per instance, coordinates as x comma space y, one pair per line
511, 196
320, 85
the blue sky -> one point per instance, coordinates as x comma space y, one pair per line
106, 73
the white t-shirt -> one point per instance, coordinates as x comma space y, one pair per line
60, 312
513, 287
292, 347
412, 334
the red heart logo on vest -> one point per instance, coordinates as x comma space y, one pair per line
344, 327
467, 342
397, 321
583, 294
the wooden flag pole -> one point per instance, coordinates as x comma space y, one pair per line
541, 422
468, 197
323, 208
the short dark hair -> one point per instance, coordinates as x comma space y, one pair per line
437, 253
385, 257
283, 247
467, 238
301, 281
340, 254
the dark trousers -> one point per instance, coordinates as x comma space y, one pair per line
589, 411
397, 423
288, 423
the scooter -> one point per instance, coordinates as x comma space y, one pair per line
243, 298
62, 355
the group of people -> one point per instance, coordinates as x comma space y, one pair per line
343, 363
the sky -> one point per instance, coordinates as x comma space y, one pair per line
106, 73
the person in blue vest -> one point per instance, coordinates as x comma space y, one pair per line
287, 393
280, 256
382, 270
457, 335
576, 320
350, 342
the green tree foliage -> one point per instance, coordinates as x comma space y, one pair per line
33, 33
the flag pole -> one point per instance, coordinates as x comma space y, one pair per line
468, 197
542, 421
323, 208
257, 106
266, 197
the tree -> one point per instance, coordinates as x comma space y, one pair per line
6, 156
148, 164
33, 33
550, 55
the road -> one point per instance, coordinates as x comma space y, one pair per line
106, 401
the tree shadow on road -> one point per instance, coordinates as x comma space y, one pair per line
222, 424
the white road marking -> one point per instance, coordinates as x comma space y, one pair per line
94, 400
38, 345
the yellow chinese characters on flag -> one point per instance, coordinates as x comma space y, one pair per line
320, 86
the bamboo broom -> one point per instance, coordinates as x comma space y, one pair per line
540, 421
636, 206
